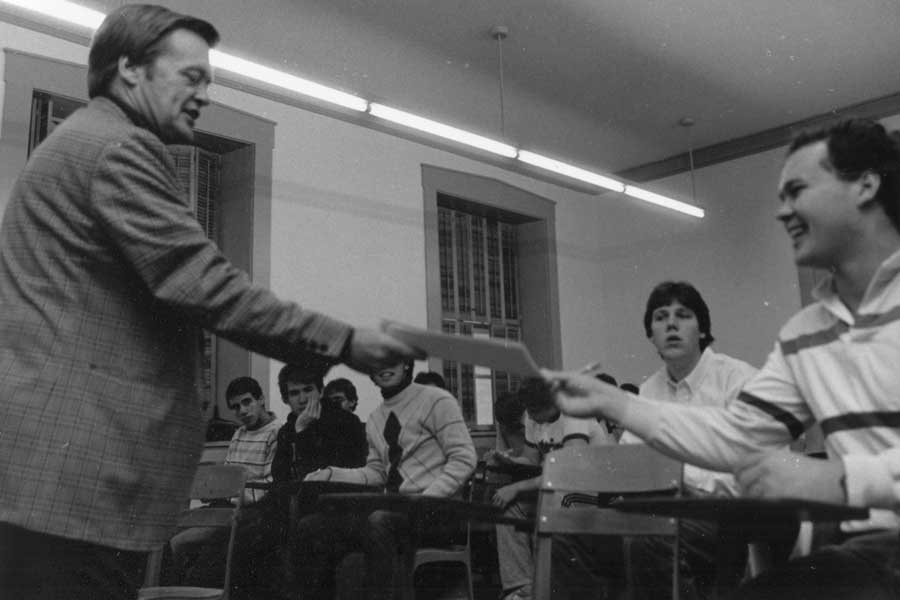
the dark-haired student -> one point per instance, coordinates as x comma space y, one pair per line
677, 323
835, 363
342, 393
418, 444
582, 567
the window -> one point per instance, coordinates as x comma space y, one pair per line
479, 298
199, 173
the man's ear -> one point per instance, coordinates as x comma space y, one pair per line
868, 185
129, 71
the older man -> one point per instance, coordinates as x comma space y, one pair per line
105, 280
834, 363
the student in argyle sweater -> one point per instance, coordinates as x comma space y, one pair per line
418, 444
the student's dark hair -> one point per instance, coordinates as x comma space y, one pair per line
136, 31
343, 386
859, 146
508, 411
667, 292
607, 378
630, 387
309, 372
243, 385
535, 394
430, 378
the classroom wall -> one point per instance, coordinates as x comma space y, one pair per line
347, 237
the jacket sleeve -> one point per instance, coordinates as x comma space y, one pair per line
281, 464
374, 472
141, 208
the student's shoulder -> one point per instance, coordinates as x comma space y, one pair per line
810, 320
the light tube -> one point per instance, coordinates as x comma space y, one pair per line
65, 11
646, 196
441, 130
570, 171
229, 62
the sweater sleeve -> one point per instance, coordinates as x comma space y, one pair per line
452, 435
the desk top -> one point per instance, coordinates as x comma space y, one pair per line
743, 509
418, 505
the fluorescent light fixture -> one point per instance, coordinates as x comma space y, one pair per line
570, 171
62, 10
441, 130
229, 62
646, 196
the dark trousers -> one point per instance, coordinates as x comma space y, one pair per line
36, 566
387, 541
866, 566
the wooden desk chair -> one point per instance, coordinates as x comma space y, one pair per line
211, 483
454, 553
577, 484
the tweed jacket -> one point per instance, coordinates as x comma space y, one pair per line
105, 280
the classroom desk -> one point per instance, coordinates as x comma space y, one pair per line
419, 507
748, 519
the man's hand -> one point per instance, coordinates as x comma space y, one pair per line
319, 475
372, 350
309, 415
580, 395
785, 474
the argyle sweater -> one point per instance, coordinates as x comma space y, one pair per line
437, 452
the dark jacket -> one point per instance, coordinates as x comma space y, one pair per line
337, 439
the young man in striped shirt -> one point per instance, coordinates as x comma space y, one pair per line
835, 362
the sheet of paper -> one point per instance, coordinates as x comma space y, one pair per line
501, 355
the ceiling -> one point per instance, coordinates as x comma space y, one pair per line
600, 83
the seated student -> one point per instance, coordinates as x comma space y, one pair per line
509, 413
418, 444
341, 393
582, 567
198, 553
430, 378
677, 323
317, 434
835, 362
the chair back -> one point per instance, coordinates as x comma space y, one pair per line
218, 488
579, 482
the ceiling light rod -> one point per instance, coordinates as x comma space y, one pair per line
568, 170
687, 123
500, 33
441, 130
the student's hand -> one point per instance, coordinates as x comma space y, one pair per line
308, 415
372, 350
319, 475
505, 495
580, 395
785, 474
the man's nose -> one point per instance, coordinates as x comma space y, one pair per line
202, 94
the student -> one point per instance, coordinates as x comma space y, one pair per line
431, 378
198, 553
677, 323
341, 393
547, 430
418, 444
317, 434
835, 362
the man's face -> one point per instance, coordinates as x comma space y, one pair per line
675, 332
389, 377
340, 399
301, 394
172, 89
250, 411
817, 209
